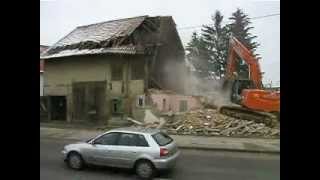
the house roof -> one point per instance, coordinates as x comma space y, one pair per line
99, 38
43, 48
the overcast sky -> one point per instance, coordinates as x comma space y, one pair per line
59, 17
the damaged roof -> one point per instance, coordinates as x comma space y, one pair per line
43, 48
99, 38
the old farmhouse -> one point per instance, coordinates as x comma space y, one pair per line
98, 72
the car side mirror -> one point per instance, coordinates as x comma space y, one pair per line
94, 143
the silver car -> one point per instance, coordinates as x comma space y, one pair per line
143, 149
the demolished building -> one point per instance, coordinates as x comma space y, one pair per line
96, 72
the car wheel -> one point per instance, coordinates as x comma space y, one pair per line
145, 169
75, 161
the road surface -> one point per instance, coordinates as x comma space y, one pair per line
193, 164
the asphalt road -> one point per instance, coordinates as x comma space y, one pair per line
193, 164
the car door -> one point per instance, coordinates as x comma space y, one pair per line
129, 148
103, 149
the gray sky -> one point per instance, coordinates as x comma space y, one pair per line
59, 17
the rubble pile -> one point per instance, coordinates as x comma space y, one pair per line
209, 122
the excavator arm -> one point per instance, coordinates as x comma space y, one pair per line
237, 49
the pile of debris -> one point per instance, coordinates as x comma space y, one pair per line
209, 122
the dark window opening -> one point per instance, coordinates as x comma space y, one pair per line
115, 109
116, 106
140, 101
58, 107
137, 70
164, 104
122, 87
116, 72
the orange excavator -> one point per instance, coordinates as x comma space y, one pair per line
250, 100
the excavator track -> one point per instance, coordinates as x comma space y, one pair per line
239, 112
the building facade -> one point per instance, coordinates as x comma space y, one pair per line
97, 71
42, 49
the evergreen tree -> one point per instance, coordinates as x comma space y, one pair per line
209, 51
216, 39
240, 27
198, 55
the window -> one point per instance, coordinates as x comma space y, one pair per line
162, 139
116, 72
183, 105
137, 70
164, 104
142, 141
116, 106
140, 101
107, 139
127, 139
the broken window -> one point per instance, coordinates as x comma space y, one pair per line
116, 71
116, 106
183, 105
164, 104
140, 101
137, 70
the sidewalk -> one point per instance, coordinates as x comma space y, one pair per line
187, 142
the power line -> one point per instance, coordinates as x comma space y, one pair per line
259, 17
199, 26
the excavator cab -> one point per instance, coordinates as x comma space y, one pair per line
237, 86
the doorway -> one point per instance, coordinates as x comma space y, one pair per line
58, 106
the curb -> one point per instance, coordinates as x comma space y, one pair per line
230, 150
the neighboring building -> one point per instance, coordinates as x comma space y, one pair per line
97, 71
166, 101
42, 49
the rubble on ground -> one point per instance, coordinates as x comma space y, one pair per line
209, 122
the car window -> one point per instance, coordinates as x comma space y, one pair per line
162, 139
142, 141
127, 139
107, 139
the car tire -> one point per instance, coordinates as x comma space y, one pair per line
145, 169
75, 161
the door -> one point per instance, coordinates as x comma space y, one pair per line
103, 150
130, 147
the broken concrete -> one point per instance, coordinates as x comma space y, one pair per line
210, 122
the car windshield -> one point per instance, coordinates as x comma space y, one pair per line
162, 139
87, 141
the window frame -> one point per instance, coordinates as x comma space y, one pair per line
101, 136
136, 139
163, 134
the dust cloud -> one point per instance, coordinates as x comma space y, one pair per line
181, 76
